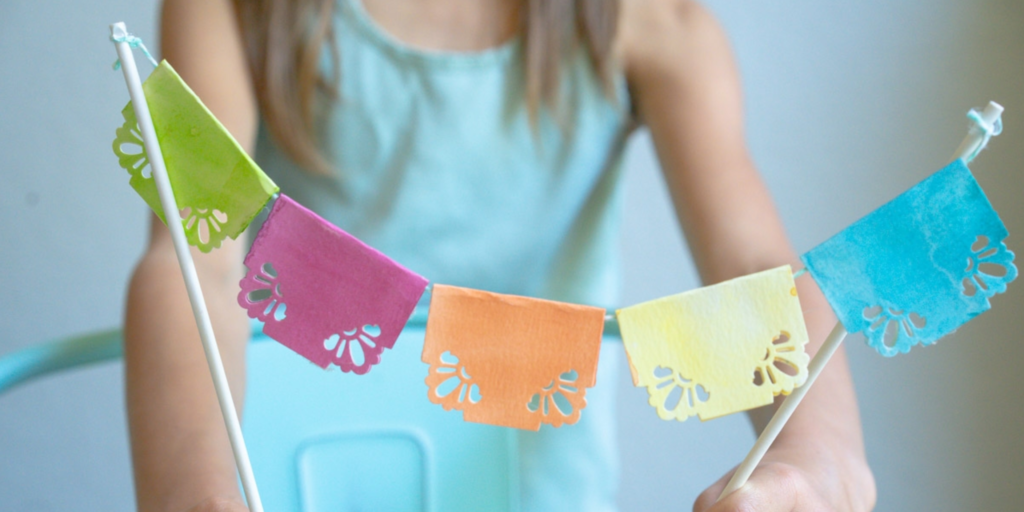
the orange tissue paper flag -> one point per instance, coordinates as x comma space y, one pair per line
510, 361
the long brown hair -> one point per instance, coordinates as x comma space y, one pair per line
284, 40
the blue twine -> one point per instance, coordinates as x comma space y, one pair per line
799, 273
988, 130
133, 42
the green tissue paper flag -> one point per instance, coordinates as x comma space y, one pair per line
218, 188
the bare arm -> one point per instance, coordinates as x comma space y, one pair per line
180, 451
680, 68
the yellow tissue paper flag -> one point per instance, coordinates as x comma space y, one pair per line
720, 349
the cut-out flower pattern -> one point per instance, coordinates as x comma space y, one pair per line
892, 331
203, 227
784, 366
355, 350
128, 136
261, 294
985, 257
674, 396
450, 384
560, 402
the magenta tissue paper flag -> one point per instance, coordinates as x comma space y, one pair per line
323, 293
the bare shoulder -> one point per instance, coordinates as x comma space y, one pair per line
678, 38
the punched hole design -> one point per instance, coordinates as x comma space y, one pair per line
451, 384
782, 366
891, 330
261, 294
560, 401
203, 226
674, 396
129, 148
355, 350
989, 268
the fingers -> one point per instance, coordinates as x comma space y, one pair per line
773, 487
708, 497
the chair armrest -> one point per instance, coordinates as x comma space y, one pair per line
37, 360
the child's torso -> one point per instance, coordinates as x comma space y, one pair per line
439, 168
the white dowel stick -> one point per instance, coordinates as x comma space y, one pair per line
118, 32
974, 137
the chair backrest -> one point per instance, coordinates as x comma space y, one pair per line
324, 440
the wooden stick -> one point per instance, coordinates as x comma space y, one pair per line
119, 34
975, 136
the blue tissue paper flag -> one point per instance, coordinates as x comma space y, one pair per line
920, 266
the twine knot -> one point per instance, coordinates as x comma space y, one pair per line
133, 42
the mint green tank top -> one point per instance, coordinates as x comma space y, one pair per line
437, 166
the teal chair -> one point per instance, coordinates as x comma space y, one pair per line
324, 440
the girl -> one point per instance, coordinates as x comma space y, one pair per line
477, 142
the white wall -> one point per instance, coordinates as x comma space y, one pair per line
848, 105
70, 231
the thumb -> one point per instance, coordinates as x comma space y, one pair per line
772, 487
710, 495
